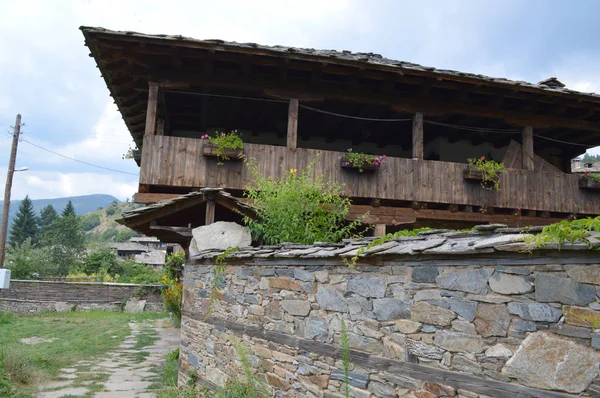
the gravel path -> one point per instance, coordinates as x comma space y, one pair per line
122, 373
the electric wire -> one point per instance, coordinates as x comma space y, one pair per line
368, 119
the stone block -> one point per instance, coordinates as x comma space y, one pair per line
584, 273
524, 326
464, 364
284, 283
317, 328
509, 284
402, 380
390, 309
553, 363
274, 310
431, 314
368, 285
439, 390
596, 340
554, 289
469, 280
354, 379
407, 326
463, 327
572, 331
424, 295
464, 308
535, 312
423, 350
134, 306
393, 350
424, 274
364, 343
511, 269
579, 316
382, 390
498, 350
331, 299
221, 235
62, 307
492, 320
458, 342
296, 307
304, 275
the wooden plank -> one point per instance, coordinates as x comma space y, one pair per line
292, 129
151, 110
379, 230
458, 380
160, 126
210, 212
417, 136
151, 198
527, 148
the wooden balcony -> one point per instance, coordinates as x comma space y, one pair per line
179, 162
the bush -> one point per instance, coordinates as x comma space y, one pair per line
112, 209
102, 259
132, 272
298, 208
25, 261
123, 235
90, 221
172, 297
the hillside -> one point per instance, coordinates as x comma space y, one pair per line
83, 204
100, 225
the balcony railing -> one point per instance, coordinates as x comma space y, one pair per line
179, 162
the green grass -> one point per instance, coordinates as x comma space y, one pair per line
79, 336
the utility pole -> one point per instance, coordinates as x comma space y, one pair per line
9, 178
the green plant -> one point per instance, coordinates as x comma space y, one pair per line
491, 171
172, 297
90, 221
298, 208
28, 262
595, 177
566, 231
224, 141
381, 240
248, 386
218, 279
345, 347
358, 160
174, 264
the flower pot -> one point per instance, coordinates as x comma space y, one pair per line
472, 174
211, 150
589, 183
364, 167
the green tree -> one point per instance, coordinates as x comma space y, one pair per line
69, 210
28, 262
48, 220
25, 225
102, 259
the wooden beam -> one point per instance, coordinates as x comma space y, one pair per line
417, 136
210, 212
379, 230
292, 130
184, 232
160, 126
151, 110
527, 148
150, 198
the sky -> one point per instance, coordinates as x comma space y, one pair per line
46, 73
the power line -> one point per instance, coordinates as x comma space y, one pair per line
474, 129
76, 160
561, 141
226, 96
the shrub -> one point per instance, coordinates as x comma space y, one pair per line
223, 141
132, 272
172, 297
28, 262
298, 208
123, 235
102, 259
90, 221
491, 171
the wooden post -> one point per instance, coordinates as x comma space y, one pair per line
9, 177
151, 110
379, 230
527, 148
292, 130
417, 136
160, 126
210, 212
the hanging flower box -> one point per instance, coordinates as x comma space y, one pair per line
223, 146
361, 161
587, 182
487, 172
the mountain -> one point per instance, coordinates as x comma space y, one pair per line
83, 204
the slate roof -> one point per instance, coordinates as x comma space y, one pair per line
128, 246
483, 239
371, 59
154, 257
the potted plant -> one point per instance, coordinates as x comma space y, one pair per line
488, 172
362, 161
589, 181
223, 146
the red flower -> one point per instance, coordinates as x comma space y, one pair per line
483, 158
586, 174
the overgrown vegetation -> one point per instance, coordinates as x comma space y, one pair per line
491, 171
223, 142
298, 208
345, 347
567, 231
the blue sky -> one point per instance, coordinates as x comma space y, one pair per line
47, 76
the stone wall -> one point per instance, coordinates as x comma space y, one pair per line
38, 296
499, 324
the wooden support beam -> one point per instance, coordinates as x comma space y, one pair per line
160, 126
150, 198
210, 212
292, 130
417, 136
527, 148
151, 110
379, 230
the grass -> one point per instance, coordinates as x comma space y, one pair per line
79, 336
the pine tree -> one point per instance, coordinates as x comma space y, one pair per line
69, 210
48, 220
25, 224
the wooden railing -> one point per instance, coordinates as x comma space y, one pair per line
179, 162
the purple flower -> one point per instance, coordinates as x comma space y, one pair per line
347, 164
223, 134
349, 149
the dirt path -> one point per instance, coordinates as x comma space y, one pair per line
128, 371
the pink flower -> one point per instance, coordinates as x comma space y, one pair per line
385, 157
483, 158
349, 149
223, 134
347, 164
511, 169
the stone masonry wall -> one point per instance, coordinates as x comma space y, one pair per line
477, 328
26, 297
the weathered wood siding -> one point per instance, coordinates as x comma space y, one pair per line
175, 161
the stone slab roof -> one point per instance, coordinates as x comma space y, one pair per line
483, 239
128, 246
334, 56
154, 257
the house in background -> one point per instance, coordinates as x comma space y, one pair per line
154, 258
296, 106
150, 242
127, 250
